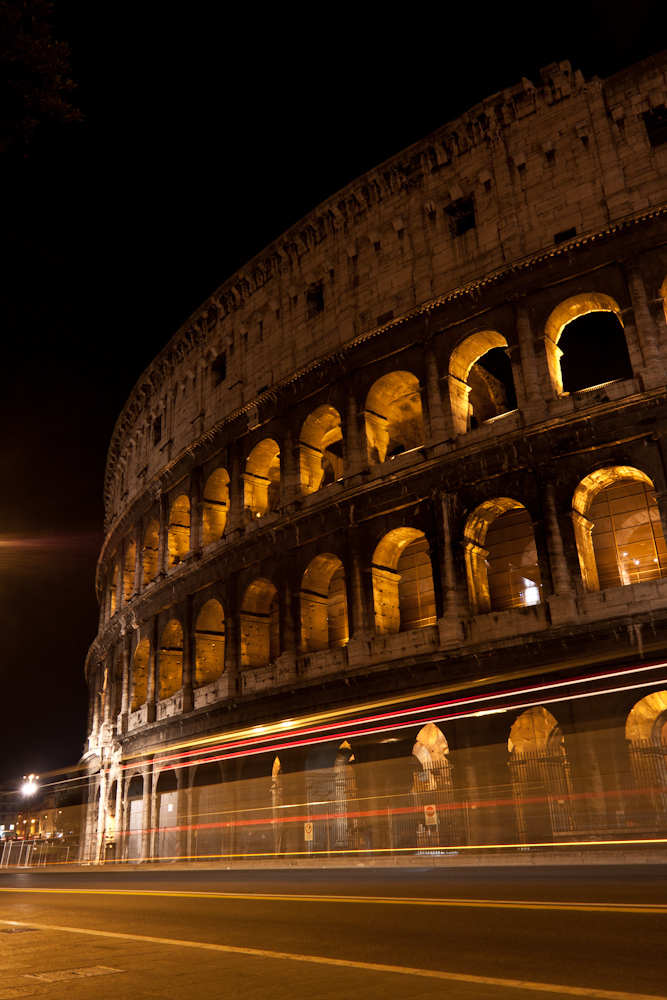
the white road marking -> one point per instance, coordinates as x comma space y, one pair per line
320, 960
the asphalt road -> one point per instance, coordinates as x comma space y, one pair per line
473, 933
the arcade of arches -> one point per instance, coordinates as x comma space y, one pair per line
438, 787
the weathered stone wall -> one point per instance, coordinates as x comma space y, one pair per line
534, 162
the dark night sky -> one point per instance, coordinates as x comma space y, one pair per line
205, 136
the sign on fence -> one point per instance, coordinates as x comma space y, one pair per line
431, 816
307, 831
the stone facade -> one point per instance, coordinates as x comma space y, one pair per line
393, 453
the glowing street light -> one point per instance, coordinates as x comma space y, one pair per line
30, 785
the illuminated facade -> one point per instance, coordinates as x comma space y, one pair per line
416, 444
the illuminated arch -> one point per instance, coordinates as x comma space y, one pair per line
260, 624
403, 592
536, 729
476, 394
140, 666
617, 528
261, 490
150, 551
320, 449
501, 557
567, 312
324, 622
648, 718
394, 419
178, 534
215, 506
128, 570
209, 644
170, 660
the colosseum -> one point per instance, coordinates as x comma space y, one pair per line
385, 520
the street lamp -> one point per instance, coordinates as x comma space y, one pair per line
29, 784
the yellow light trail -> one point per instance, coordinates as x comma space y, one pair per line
502, 904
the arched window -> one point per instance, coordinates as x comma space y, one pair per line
320, 449
323, 604
140, 674
540, 775
215, 506
166, 841
618, 529
403, 591
171, 660
480, 380
585, 343
260, 625
150, 552
128, 570
646, 732
261, 490
209, 644
178, 536
501, 557
394, 420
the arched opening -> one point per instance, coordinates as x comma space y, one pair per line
585, 343
140, 665
403, 592
171, 660
260, 625
261, 490
215, 506
209, 644
324, 622
394, 419
128, 570
646, 733
320, 449
540, 775
150, 551
135, 793
481, 385
178, 535
166, 840
432, 789
501, 557
618, 529
207, 791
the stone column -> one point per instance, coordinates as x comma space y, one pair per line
361, 602
437, 424
146, 812
286, 663
536, 384
125, 688
163, 540
189, 654
196, 491
232, 639
289, 486
514, 354
182, 819
356, 457
138, 559
95, 724
119, 816
450, 626
561, 602
653, 374
235, 516
151, 680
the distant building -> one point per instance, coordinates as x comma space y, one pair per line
412, 455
